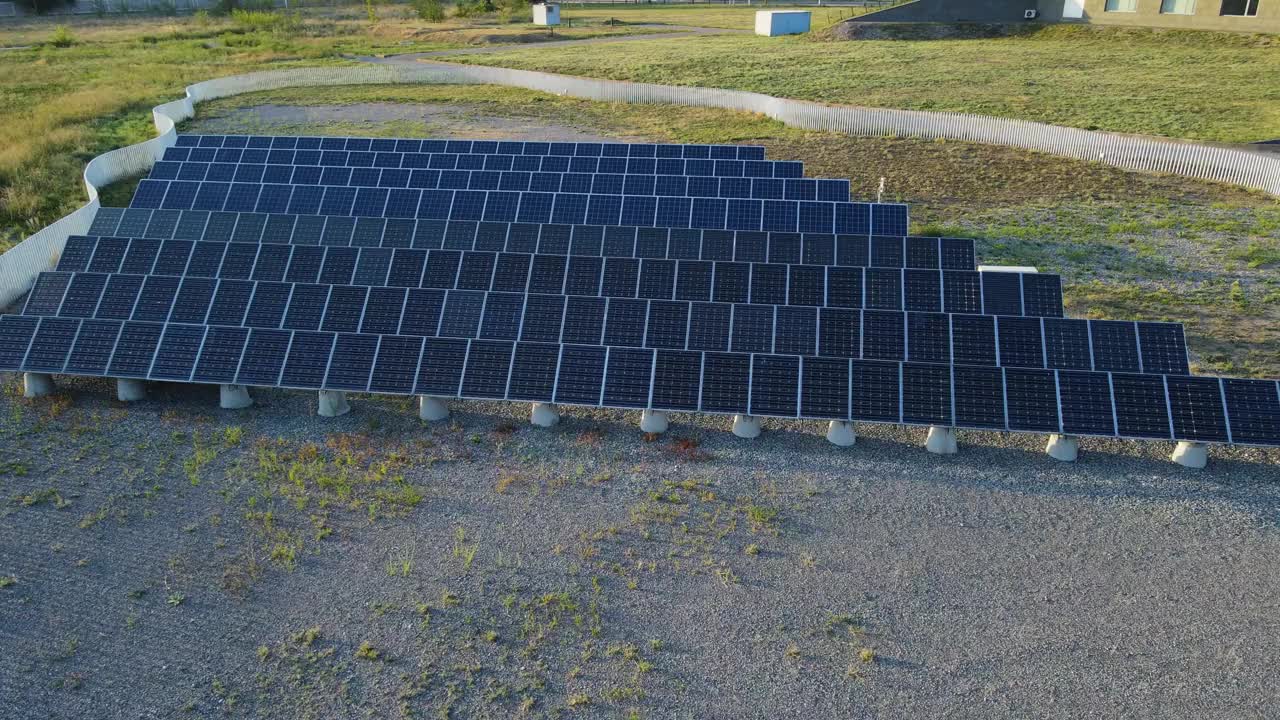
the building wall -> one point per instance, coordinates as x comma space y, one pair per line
1206, 17
946, 11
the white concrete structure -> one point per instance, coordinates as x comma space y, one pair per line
128, 390
771, 23
234, 397
1191, 454
1063, 447
546, 14
653, 421
941, 440
432, 409
36, 385
745, 426
841, 433
544, 415
333, 403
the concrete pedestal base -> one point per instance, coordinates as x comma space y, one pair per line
234, 397
1063, 447
333, 403
1191, 454
653, 421
432, 409
941, 440
841, 433
36, 385
745, 426
130, 390
544, 415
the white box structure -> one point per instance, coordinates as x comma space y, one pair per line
546, 14
781, 22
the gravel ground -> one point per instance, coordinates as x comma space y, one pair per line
747, 576
434, 119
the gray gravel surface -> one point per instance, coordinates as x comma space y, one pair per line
995, 583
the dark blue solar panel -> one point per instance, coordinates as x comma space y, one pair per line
134, 350
51, 345
1253, 408
1086, 403
581, 375
1140, 404
725, 383
979, 397
926, 394
352, 362
176, 357
1196, 409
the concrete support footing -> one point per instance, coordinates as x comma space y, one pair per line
653, 421
36, 385
432, 409
234, 397
1191, 454
745, 426
1063, 447
128, 390
840, 432
333, 403
941, 440
544, 415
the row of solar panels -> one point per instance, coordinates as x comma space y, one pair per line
505, 147
1201, 409
840, 218
778, 169
549, 239
935, 337
514, 180
954, 291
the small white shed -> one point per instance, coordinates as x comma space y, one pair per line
782, 22
546, 14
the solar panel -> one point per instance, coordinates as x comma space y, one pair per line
576, 319
545, 238
665, 277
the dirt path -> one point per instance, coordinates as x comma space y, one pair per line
675, 31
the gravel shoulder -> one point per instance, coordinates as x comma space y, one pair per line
747, 576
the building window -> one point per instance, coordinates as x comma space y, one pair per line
1123, 5
1248, 8
1178, 7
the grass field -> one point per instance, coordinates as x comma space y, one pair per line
1203, 86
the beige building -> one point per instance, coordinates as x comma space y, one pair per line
1231, 15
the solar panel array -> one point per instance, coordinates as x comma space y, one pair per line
697, 278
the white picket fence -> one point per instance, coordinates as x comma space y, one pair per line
20, 265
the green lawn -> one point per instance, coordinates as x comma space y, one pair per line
1203, 86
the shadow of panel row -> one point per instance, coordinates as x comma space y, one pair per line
676, 324
1198, 409
956, 291
545, 238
